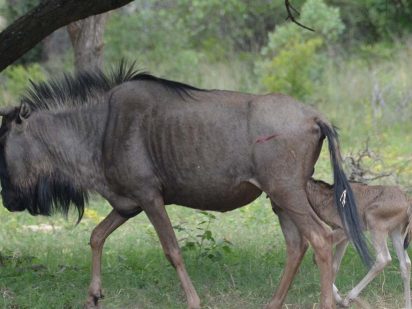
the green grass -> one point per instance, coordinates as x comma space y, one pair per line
52, 269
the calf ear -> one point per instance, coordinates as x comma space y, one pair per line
24, 112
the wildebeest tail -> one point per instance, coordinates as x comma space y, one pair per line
408, 230
343, 195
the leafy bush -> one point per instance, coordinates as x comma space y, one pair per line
148, 40
201, 239
17, 79
215, 29
239, 25
372, 21
325, 20
292, 68
292, 58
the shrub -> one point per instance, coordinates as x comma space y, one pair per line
293, 58
17, 79
292, 68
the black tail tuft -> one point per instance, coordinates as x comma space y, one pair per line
344, 197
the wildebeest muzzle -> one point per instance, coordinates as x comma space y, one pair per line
11, 201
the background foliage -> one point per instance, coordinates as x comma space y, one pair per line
355, 68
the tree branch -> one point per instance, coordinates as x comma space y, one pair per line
290, 9
359, 171
48, 16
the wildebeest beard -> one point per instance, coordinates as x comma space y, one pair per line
47, 195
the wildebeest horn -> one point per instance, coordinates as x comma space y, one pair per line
5, 110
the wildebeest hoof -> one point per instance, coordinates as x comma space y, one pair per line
194, 303
92, 304
273, 305
93, 301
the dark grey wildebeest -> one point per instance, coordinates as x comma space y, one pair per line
143, 142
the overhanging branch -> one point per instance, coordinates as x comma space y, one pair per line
290, 10
48, 16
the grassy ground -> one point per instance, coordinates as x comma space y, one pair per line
51, 268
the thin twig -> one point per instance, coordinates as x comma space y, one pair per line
358, 171
290, 9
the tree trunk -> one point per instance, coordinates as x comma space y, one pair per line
55, 45
48, 16
86, 36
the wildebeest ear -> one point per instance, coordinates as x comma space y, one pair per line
25, 111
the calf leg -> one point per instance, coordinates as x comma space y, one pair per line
405, 265
319, 235
97, 239
383, 258
296, 247
156, 213
339, 237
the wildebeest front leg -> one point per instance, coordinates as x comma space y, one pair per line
97, 239
297, 207
156, 213
296, 247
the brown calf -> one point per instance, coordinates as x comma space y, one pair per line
384, 210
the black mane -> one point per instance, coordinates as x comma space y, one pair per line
80, 88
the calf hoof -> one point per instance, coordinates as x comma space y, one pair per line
346, 302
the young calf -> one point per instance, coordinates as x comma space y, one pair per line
384, 210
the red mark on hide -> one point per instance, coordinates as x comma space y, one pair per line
265, 138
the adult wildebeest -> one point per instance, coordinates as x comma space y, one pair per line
143, 142
385, 211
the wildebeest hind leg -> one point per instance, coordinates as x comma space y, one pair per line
296, 205
156, 212
97, 239
341, 241
296, 247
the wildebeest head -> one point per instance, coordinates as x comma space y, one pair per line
9, 193
27, 183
